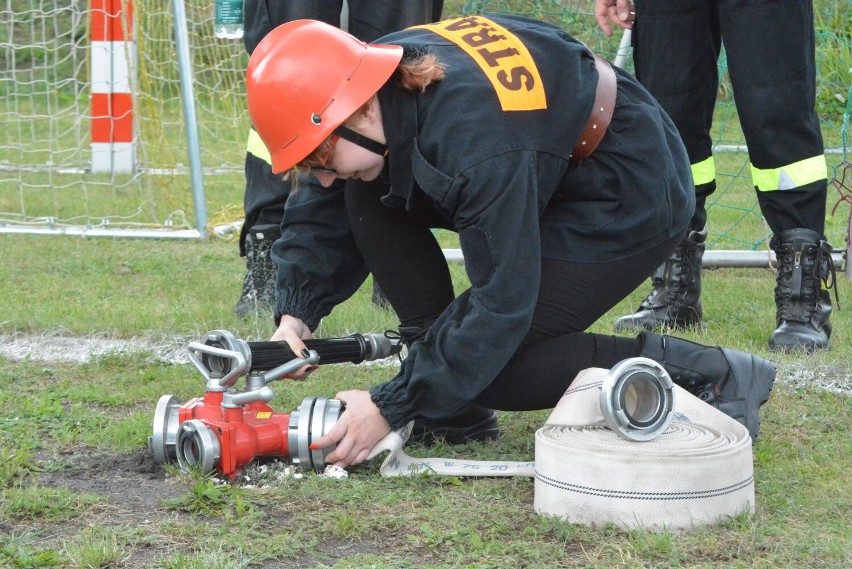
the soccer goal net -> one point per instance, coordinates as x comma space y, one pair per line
97, 138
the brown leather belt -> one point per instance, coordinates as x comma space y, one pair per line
602, 111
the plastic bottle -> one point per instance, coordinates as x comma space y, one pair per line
229, 19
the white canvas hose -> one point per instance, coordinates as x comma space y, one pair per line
697, 471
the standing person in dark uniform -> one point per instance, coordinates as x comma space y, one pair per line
265, 193
770, 48
564, 179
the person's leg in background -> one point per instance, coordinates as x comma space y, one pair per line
265, 193
675, 50
372, 19
263, 201
773, 74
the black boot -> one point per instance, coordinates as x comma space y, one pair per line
473, 423
734, 382
675, 299
802, 306
258, 294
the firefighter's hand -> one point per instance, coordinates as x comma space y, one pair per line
293, 331
356, 432
620, 12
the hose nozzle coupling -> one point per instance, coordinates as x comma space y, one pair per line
637, 399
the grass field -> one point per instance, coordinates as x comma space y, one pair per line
77, 488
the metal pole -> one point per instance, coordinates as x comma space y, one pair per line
101, 232
188, 99
711, 260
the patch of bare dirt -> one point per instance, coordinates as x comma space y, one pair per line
132, 488
133, 483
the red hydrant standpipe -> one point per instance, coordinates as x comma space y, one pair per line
227, 428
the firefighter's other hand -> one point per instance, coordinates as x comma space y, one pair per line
359, 428
619, 12
293, 331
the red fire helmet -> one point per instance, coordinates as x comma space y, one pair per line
304, 79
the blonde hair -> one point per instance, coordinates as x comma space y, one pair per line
415, 73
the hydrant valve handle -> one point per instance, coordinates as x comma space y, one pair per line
291, 367
232, 400
233, 372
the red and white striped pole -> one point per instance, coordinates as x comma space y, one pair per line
113, 54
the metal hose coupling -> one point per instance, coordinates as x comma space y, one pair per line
637, 399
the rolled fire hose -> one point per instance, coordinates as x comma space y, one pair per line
624, 447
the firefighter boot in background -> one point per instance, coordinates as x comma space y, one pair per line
675, 299
803, 305
258, 294
736, 383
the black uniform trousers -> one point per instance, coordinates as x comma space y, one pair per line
770, 54
265, 193
407, 262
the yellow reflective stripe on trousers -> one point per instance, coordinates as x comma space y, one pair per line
256, 147
790, 176
704, 172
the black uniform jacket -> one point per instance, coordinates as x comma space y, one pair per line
491, 146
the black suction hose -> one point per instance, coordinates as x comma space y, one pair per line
354, 349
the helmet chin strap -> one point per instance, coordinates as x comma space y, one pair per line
361, 140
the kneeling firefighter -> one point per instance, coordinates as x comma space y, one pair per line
564, 179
